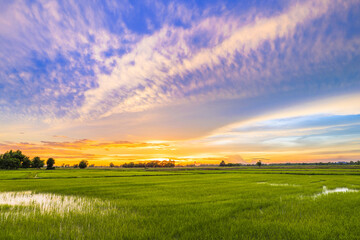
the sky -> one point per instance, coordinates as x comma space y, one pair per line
193, 81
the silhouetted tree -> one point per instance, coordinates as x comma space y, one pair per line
8, 162
37, 162
258, 163
222, 164
83, 164
50, 164
26, 163
112, 165
150, 164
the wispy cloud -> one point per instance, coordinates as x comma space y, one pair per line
168, 65
72, 64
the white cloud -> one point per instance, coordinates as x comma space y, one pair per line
309, 125
162, 68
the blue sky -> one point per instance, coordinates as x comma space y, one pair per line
183, 71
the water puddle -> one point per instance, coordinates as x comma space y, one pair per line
50, 203
279, 184
326, 191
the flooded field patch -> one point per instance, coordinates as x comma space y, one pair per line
327, 191
279, 184
24, 203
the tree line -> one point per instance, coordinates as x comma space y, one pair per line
150, 164
16, 159
223, 164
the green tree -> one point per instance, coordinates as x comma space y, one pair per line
9, 163
37, 162
14, 159
26, 163
83, 164
259, 163
50, 164
11, 160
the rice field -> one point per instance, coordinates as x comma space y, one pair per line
234, 203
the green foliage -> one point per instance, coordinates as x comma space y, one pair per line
83, 164
37, 162
50, 163
14, 160
7, 162
26, 163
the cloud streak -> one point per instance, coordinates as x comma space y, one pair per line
165, 66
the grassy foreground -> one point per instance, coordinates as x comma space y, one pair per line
187, 204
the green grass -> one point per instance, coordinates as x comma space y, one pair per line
189, 204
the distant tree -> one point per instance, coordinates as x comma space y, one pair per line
112, 165
222, 164
37, 162
13, 160
259, 163
76, 166
50, 164
83, 164
26, 163
9, 162
169, 163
